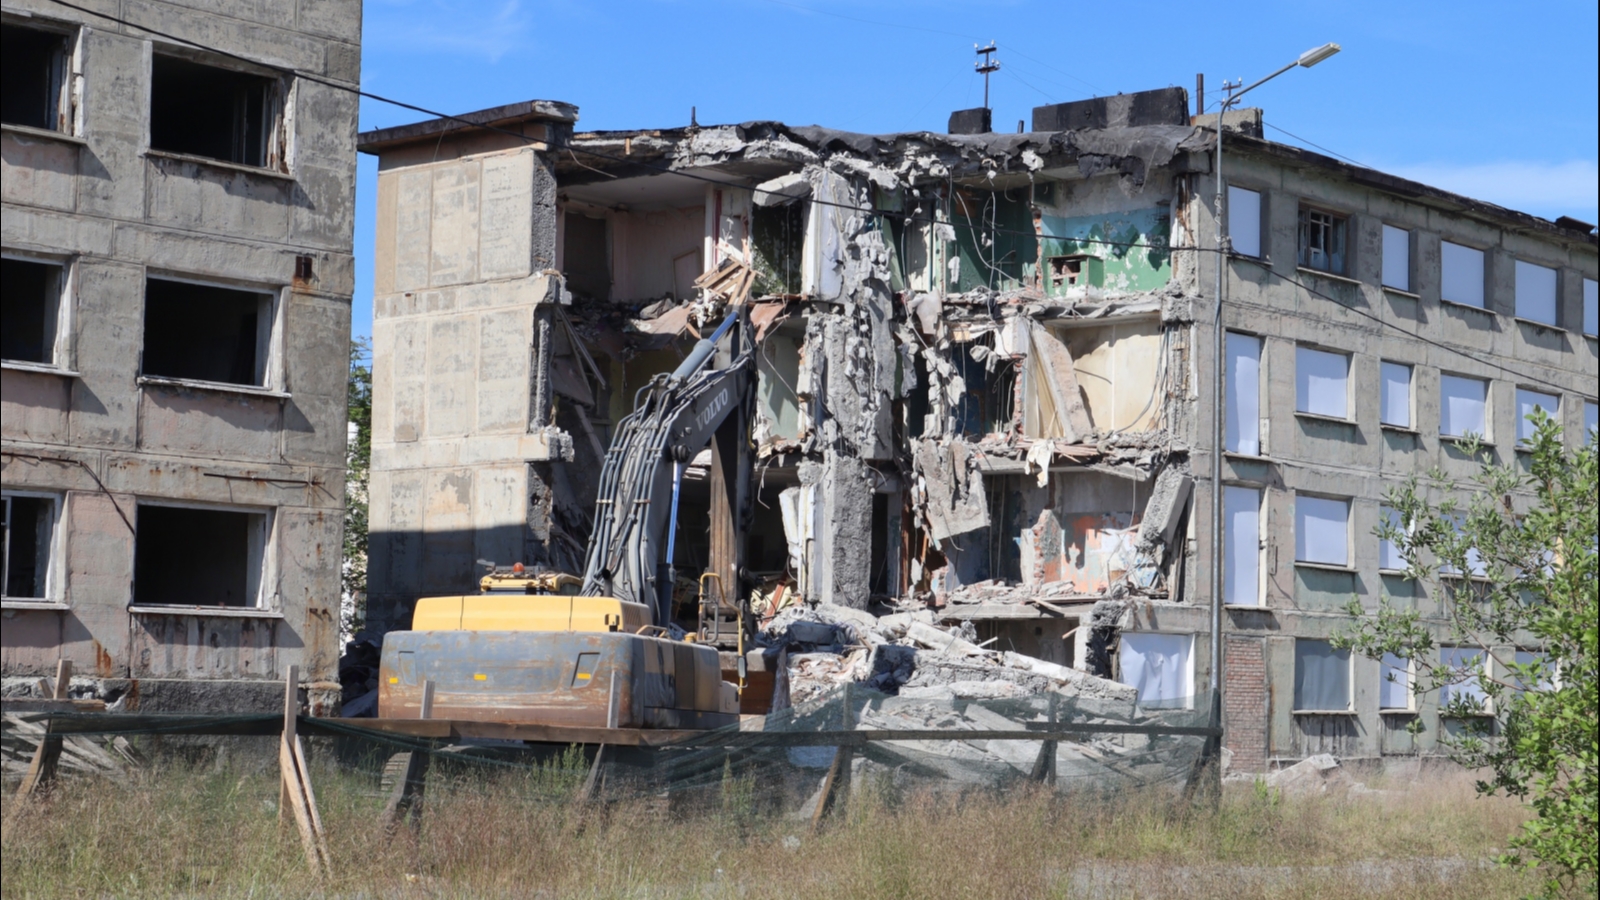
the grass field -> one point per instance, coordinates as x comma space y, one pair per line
210, 833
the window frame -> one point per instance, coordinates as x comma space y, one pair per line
1388, 514
1349, 683
261, 565
54, 556
1383, 267
1336, 229
270, 363
277, 133
68, 88
1189, 673
1229, 549
1299, 535
1523, 441
1477, 678
1487, 437
1591, 307
1482, 291
1252, 425
1526, 269
62, 346
1411, 395
1410, 669
1300, 401
1259, 230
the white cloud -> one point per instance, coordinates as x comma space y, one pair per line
1542, 188
457, 27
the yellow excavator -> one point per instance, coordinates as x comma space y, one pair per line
598, 651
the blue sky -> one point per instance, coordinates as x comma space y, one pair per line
1494, 100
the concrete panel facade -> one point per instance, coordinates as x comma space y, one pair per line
89, 429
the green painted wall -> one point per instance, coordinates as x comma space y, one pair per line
1145, 266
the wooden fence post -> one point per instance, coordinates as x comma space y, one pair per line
294, 783
41, 774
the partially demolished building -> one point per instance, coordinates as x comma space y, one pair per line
985, 369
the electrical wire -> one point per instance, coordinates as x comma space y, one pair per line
316, 79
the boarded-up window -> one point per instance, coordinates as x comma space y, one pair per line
1321, 530
1395, 400
1161, 667
1243, 399
1389, 557
198, 557
1244, 220
1527, 402
1396, 258
30, 522
1461, 274
1463, 406
206, 333
1394, 688
31, 300
1321, 677
1241, 530
1321, 382
1536, 293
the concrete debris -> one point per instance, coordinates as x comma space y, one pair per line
949, 488
1319, 774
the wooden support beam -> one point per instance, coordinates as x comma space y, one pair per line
41, 774
294, 784
839, 771
405, 799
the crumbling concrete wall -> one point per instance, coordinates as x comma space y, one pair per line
88, 430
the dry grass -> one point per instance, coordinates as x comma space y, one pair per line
211, 833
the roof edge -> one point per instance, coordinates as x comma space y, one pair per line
554, 111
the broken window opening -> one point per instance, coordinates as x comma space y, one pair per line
35, 70
209, 111
586, 256
1005, 524
30, 297
185, 556
1071, 271
1052, 640
777, 241
986, 405
206, 333
30, 524
1322, 241
1321, 677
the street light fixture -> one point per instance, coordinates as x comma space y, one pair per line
1305, 60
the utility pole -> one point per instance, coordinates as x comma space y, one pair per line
988, 65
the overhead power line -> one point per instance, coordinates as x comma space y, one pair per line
865, 210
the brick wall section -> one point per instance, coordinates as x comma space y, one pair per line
1244, 702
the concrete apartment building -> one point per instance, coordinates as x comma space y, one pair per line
985, 378
177, 284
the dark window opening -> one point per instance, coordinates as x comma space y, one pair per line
209, 111
205, 333
1070, 271
34, 72
28, 525
1322, 241
29, 307
587, 257
197, 557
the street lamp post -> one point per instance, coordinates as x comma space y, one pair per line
1224, 248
